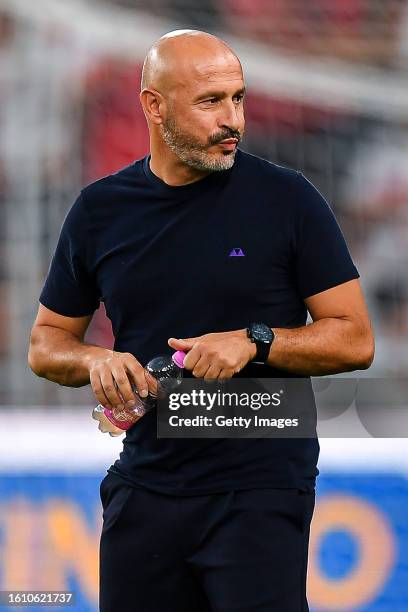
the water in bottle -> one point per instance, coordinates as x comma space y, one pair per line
168, 372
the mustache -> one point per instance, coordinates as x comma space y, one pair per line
216, 138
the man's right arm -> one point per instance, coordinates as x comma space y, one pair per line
58, 352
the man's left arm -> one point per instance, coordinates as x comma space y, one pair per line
340, 339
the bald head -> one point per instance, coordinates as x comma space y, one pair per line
192, 97
182, 55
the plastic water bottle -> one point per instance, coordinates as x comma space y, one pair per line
167, 370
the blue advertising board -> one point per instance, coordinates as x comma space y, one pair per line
50, 526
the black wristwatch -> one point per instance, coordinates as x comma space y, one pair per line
263, 337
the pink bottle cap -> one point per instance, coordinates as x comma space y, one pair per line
178, 358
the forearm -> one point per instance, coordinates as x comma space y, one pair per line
60, 356
327, 346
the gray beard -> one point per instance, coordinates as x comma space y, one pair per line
192, 153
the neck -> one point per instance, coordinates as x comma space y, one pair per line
165, 164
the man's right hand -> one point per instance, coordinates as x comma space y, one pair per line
58, 352
112, 376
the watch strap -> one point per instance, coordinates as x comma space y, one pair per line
262, 351
262, 345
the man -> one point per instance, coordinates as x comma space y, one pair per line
190, 246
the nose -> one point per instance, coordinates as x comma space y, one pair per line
230, 116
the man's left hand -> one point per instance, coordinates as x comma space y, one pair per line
216, 356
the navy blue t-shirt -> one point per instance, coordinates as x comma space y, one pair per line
160, 258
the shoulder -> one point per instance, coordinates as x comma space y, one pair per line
287, 186
293, 180
262, 168
104, 188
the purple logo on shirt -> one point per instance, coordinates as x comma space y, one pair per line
237, 252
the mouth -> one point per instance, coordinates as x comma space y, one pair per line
229, 143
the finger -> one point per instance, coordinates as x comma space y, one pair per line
224, 375
97, 388
138, 375
201, 367
124, 387
191, 359
212, 374
182, 344
110, 389
152, 383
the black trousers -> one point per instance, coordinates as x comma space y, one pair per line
238, 551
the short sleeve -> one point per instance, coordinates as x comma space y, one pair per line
321, 257
70, 289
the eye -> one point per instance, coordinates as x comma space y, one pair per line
210, 101
239, 98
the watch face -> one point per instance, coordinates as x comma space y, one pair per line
261, 332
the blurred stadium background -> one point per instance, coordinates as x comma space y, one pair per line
328, 95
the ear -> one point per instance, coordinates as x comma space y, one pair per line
152, 104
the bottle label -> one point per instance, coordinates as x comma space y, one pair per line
120, 418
